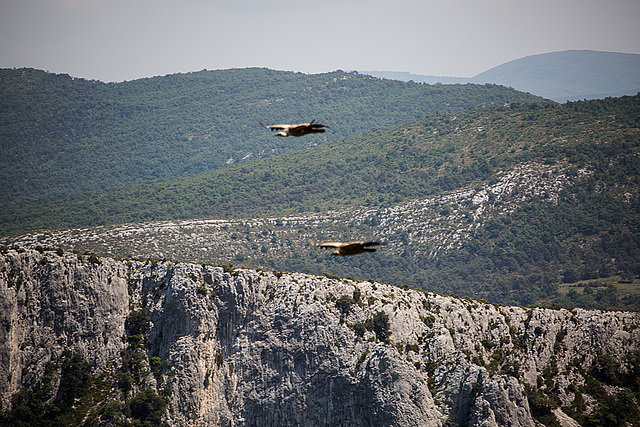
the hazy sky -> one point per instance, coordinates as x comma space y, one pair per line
116, 40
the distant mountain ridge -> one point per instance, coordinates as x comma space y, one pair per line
560, 76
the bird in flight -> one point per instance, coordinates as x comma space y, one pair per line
297, 130
349, 248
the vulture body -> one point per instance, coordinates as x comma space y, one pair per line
296, 130
349, 248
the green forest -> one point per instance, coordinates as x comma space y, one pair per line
63, 136
569, 250
381, 167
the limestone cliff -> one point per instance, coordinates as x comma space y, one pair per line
193, 344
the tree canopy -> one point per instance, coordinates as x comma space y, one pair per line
62, 136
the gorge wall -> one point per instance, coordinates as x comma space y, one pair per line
103, 341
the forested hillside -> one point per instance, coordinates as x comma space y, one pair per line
61, 135
504, 204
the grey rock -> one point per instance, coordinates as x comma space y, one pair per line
248, 347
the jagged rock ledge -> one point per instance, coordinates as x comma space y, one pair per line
223, 346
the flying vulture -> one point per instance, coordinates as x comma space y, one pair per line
296, 130
349, 248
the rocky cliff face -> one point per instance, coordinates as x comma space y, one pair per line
204, 345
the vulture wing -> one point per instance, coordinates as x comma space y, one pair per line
329, 244
274, 127
317, 126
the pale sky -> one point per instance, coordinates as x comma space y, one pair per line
116, 40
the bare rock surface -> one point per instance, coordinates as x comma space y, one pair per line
246, 347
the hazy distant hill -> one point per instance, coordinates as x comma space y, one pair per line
61, 135
560, 76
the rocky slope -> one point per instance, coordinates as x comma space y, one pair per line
195, 344
420, 223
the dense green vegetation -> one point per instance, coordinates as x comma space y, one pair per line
382, 167
610, 293
590, 231
61, 135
